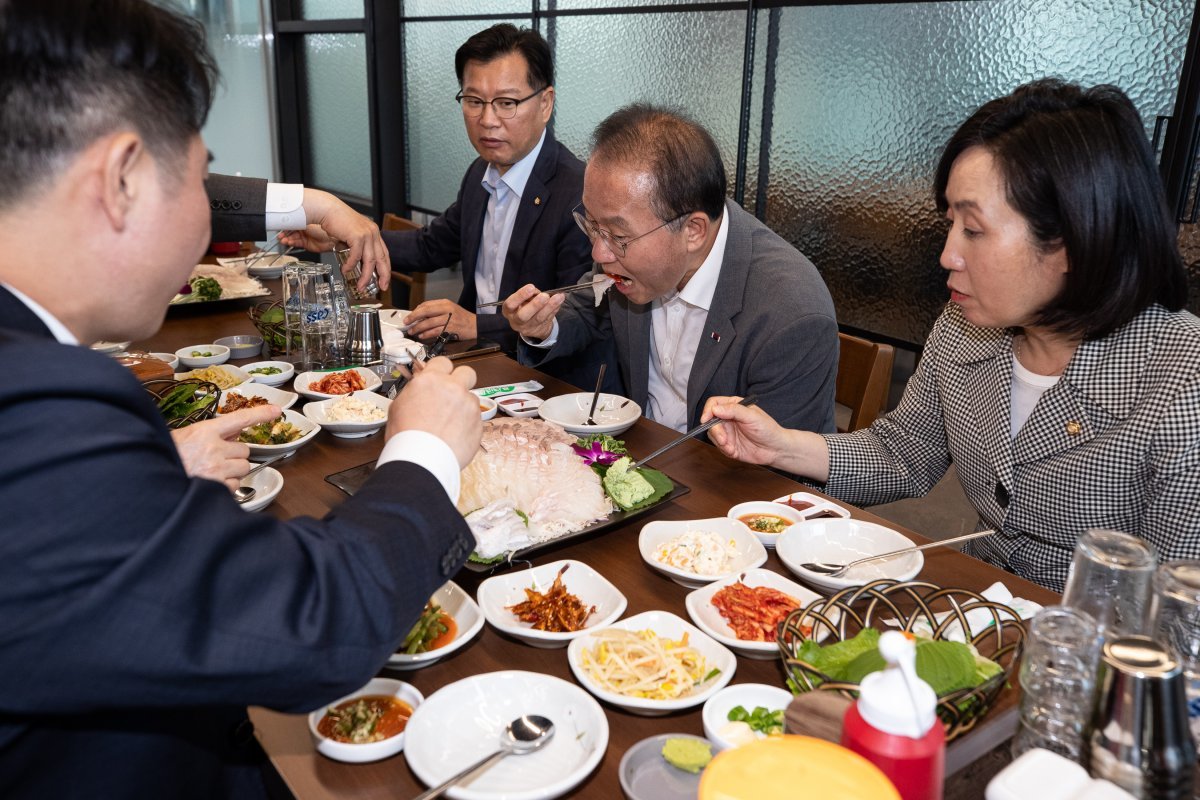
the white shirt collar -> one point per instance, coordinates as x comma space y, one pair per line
518, 174
59, 330
703, 284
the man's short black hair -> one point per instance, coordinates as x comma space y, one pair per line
1077, 165
71, 72
500, 40
676, 151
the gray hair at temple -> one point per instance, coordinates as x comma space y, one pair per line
73, 72
677, 152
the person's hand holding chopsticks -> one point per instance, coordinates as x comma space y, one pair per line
750, 434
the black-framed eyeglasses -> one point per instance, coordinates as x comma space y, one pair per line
505, 107
613, 242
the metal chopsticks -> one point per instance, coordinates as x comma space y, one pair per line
562, 290
696, 431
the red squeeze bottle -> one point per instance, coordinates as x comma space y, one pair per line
894, 723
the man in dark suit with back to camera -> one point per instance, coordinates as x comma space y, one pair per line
141, 609
708, 300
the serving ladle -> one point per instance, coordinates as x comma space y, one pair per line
523, 735
244, 494
838, 570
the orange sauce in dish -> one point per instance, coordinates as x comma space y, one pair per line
366, 719
447, 637
764, 523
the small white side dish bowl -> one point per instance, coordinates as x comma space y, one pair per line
462, 722
244, 345
286, 371
764, 507
748, 695
614, 414
171, 359
261, 452
110, 347
667, 626
371, 382
487, 408
840, 541
370, 751
235, 374
499, 592
467, 616
267, 484
318, 412
646, 775
220, 354
279, 397
748, 551
702, 611
520, 404
813, 506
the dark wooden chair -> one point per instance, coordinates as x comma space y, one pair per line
413, 282
863, 379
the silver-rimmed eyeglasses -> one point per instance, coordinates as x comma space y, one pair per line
505, 107
613, 242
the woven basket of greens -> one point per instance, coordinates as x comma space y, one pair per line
182, 403
967, 672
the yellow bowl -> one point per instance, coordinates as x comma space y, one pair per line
775, 767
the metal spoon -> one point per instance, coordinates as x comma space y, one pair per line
244, 494
838, 570
523, 735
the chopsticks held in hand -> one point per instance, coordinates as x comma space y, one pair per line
696, 431
561, 290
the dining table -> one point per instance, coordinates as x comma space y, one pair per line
715, 483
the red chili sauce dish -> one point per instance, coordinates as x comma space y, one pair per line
365, 719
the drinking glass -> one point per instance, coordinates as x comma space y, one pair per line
291, 311
1176, 624
1058, 682
350, 281
319, 320
1110, 579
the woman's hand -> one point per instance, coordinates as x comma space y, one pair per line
747, 433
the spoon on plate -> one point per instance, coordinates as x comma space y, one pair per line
523, 735
838, 570
244, 494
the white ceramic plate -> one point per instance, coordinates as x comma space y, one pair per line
283, 376
747, 695
646, 775
487, 408
748, 551
467, 616
840, 541
261, 452
220, 354
814, 505
269, 266
667, 626
708, 618
497, 593
371, 382
111, 347
371, 751
230, 370
764, 507
463, 721
267, 483
520, 404
318, 412
171, 359
279, 397
614, 414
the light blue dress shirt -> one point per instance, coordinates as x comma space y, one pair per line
504, 198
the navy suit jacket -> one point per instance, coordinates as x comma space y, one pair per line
238, 207
142, 610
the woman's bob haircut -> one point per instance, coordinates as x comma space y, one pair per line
1078, 167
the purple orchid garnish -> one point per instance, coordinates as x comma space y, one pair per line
595, 453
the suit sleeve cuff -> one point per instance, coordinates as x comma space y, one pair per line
548, 342
425, 450
285, 207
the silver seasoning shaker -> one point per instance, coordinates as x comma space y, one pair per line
1140, 735
365, 339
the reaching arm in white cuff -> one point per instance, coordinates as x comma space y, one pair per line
285, 207
548, 342
425, 450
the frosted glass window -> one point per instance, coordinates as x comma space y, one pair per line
867, 96
339, 141
331, 9
439, 151
443, 8
565, 5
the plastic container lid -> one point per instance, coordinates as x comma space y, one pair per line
896, 701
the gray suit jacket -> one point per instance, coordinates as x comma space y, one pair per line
771, 332
1114, 444
238, 207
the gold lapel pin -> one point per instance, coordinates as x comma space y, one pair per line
537, 201
1074, 428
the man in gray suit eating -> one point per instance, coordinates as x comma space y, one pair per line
706, 299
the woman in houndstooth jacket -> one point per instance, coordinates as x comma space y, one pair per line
1063, 378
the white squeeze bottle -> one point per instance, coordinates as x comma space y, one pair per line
894, 723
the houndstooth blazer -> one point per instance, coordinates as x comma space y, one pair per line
1114, 444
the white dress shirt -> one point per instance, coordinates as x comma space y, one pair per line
419, 447
676, 327
504, 199
1027, 388
285, 207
